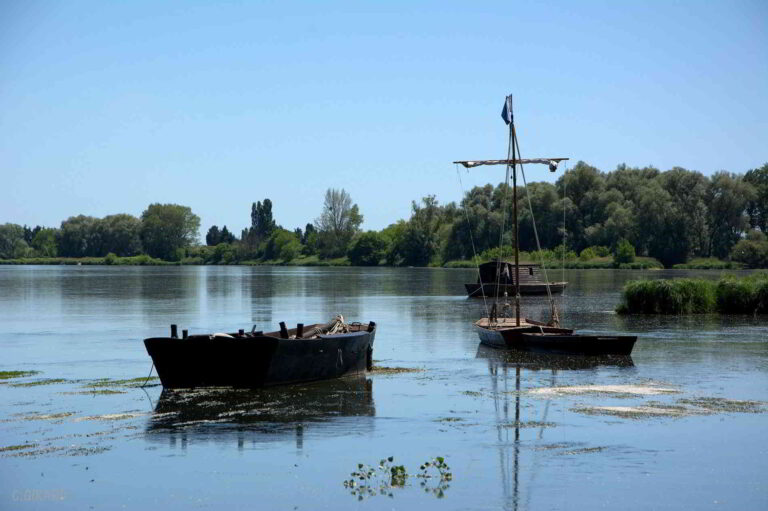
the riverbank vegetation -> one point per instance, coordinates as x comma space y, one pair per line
634, 218
728, 295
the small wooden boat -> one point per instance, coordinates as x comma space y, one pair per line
498, 330
257, 359
531, 280
535, 337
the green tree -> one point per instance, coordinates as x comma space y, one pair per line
752, 251
165, 228
368, 249
727, 198
262, 223
625, 252
213, 236
120, 235
420, 243
80, 236
44, 243
227, 237
283, 245
223, 253
12, 243
339, 221
688, 215
758, 206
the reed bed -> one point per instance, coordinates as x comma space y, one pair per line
729, 295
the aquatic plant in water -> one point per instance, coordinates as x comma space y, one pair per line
729, 295
368, 481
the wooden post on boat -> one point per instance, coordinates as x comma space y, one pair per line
283, 330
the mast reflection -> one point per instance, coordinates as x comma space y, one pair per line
500, 365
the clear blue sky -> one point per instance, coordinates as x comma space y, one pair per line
106, 107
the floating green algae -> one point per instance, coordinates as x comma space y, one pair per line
131, 382
12, 448
94, 392
45, 381
528, 424
7, 375
395, 370
722, 405
449, 419
634, 412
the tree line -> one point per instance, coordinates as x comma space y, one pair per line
673, 216
163, 231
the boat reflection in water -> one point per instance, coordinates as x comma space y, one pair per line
225, 415
501, 363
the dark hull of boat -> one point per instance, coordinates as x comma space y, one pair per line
548, 361
476, 291
534, 341
251, 362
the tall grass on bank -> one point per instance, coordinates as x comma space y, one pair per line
709, 263
729, 295
743, 295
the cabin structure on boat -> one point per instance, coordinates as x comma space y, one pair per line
532, 280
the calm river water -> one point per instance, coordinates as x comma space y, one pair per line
683, 426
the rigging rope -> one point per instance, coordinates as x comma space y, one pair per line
472, 241
565, 235
552, 306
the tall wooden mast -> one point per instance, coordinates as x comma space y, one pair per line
512, 140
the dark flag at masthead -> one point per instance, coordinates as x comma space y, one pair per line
506, 112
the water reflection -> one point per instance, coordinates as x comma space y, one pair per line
238, 415
502, 365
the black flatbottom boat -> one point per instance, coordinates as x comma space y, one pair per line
546, 361
257, 359
532, 336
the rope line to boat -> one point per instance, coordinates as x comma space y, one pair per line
565, 236
148, 376
553, 307
472, 241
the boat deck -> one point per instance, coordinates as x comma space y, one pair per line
506, 323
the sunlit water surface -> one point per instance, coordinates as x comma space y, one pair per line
509, 446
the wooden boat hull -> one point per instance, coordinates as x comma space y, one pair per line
476, 290
547, 361
259, 361
549, 340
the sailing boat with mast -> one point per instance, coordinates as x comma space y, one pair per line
501, 330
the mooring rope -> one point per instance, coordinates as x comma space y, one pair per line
148, 376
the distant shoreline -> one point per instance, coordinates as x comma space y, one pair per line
145, 260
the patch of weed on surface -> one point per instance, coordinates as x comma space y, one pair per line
722, 405
7, 375
45, 381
